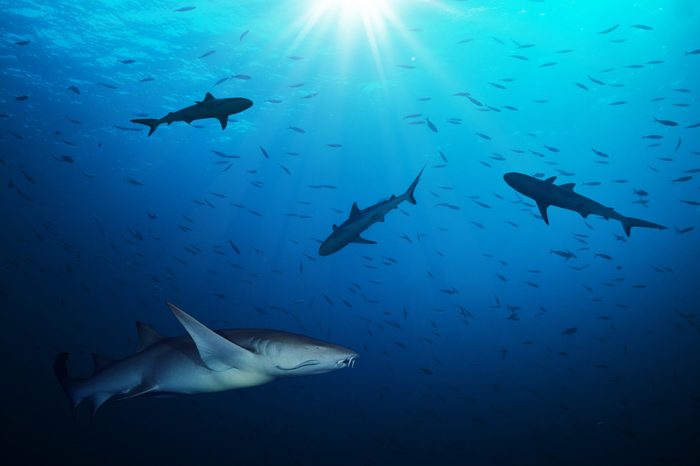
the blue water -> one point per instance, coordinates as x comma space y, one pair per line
459, 312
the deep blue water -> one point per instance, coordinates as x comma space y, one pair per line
459, 312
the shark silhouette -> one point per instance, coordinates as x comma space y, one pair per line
546, 193
209, 107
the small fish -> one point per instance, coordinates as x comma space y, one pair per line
127, 61
26, 42
234, 247
286, 170
565, 254
682, 179
431, 125
242, 77
693, 52
184, 8
678, 144
297, 129
264, 152
608, 30
643, 27
597, 81
599, 153
666, 122
65, 158
680, 231
206, 54
21, 98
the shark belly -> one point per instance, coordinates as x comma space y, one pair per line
179, 369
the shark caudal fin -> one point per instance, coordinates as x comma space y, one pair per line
60, 368
629, 222
152, 123
75, 388
409, 192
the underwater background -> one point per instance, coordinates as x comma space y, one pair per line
478, 342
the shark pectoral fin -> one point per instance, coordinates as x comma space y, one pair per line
217, 353
147, 336
139, 390
359, 239
224, 121
543, 211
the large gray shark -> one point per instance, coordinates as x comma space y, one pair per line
202, 361
546, 193
209, 107
359, 220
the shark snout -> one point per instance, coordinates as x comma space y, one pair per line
511, 178
245, 103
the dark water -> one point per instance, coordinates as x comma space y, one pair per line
461, 315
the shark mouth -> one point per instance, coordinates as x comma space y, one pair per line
310, 362
347, 362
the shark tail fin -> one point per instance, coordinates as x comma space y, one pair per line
68, 384
629, 222
152, 123
409, 192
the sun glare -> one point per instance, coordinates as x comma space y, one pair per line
352, 23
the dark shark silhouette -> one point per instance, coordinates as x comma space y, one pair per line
546, 193
359, 220
209, 107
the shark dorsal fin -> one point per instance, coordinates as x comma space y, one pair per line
543, 212
100, 362
217, 353
208, 97
569, 186
354, 210
551, 179
335, 227
147, 336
